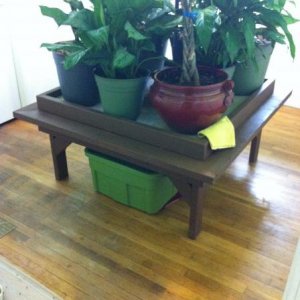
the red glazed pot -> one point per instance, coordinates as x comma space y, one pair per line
188, 109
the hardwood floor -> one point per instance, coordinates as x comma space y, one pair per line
83, 245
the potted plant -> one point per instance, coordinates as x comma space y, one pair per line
130, 27
262, 24
242, 33
159, 25
74, 59
217, 39
213, 47
190, 98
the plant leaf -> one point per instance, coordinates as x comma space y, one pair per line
74, 58
120, 10
168, 6
81, 19
276, 19
75, 4
117, 10
248, 28
148, 46
162, 24
64, 47
99, 12
133, 33
231, 39
205, 25
98, 37
142, 5
289, 19
122, 59
275, 36
55, 13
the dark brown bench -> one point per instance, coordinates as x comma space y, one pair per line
190, 175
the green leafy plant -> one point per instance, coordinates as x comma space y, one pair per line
228, 31
113, 34
87, 25
131, 28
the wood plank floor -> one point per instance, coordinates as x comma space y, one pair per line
83, 245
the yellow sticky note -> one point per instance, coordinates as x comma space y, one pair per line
221, 134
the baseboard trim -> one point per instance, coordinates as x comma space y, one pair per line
292, 289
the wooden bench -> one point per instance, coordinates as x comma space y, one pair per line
191, 176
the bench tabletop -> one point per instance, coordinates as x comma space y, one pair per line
152, 157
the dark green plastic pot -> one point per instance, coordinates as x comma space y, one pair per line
248, 77
122, 97
77, 84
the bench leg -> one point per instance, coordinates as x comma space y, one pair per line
193, 193
196, 211
254, 148
58, 150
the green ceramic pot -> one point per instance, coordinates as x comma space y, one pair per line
248, 77
122, 97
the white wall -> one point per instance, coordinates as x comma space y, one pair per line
23, 62
283, 68
9, 95
34, 66
292, 289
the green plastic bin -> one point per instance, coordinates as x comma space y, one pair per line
128, 184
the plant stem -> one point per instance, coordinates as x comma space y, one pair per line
189, 65
145, 60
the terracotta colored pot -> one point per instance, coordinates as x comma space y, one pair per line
188, 109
